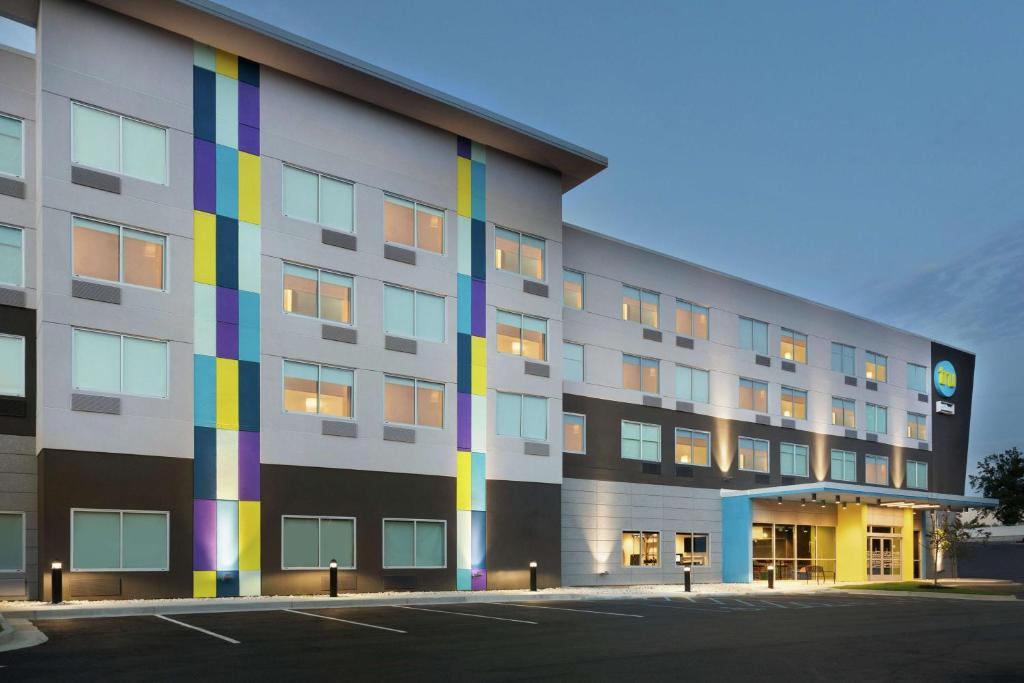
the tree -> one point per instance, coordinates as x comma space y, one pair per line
1001, 476
952, 537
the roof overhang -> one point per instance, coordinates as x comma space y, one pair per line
830, 492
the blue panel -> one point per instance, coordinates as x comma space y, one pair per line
204, 104
479, 254
463, 368
227, 252
478, 489
205, 390
249, 326
478, 555
248, 72
479, 190
463, 579
204, 471
227, 183
248, 396
737, 554
227, 584
465, 306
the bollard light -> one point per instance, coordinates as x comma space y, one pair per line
686, 578
533, 577
771, 576
334, 578
56, 582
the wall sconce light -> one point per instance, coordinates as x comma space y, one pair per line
780, 500
803, 502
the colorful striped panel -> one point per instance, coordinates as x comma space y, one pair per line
226, 262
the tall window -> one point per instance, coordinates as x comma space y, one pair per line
641, 441
117, 254
641, 548
640, 374
876, 470
790, 548
411, 401
522, 335
12, 542
318, 389
875, 366
844, 465
414, 314
119, 364
312, 542
693, 447
917, 474
518, 253
844, 412
574, 433
793, 346
522, 415
12, 146
119, 540
692, 384
843, 358
413, 224
793, 459
917, 427
877, 418
753, 454
572, 289
415, 543
794, 403
572, 362
691, 319
12, 365
317, 198
318, 293
753, 395
640, 306
691, 549
115, 143
753, 335
12, 262
916, 377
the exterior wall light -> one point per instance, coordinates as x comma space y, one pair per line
533, 577
771, 576
334, 578
57, 582
686, 578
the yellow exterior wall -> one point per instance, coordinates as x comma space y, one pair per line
908, 545
852, 543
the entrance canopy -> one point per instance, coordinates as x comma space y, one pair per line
827, 492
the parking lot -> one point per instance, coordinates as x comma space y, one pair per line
799, 637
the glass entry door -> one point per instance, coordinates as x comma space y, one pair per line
884, 557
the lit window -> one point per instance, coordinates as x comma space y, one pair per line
753, 335
522, 335
572, 289
641, 548
119, 539
753, 454
522, 416
641, 441
117, 254
844, 465
12, 146
413, 314
691, 549
318, 389
12, 261
753, 395
917, 474
413, 224
917, 427
312, 542
843, 358
115, 143
793, 346
413, 402
794, 403
317, 198
640, 306
793, 459
12, 365
572, 362
640, 374
876, 470
844, 412
574, 433
916, 377
119, 364
693, 447
877, 418
415, 543
875, 366
691, 319
12, 542
518, 253
692, 384
318, 293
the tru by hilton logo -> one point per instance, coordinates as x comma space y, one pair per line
945, 378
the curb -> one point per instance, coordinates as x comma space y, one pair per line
6, 631
934, 596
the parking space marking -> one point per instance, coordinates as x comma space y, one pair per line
774, 604
570, 609
464, 614
744, 602
196, 628
712, 609
345, 621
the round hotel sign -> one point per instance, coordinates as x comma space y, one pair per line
945, 378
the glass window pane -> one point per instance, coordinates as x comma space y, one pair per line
651, 432
300, 542
399, 309
337, 542
96, 250
11, 146
532, 257
300, 194
630, 430
535, 418
429, 317
535, 332
96, 138
701, 448
430, 229
399, 221
506, 250
684, 318
429, 544
746, 333
631, 372
650, 375
97, 361
700, 322
96, 540
509, 330
398, 544
145, 151
649, 309
700, 389
145, 367
630, 448
12, 542
336, 392
12, 366
684, 383
508, 411
429, 404
143, 259
300, 387
572, 290
145, 541
630, 304
573, 437
11, 260
335, 204
760, 337
300, 290
399, 400
335, 297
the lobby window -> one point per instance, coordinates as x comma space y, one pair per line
793, 459
12, 542
317, 198
12, 259
876, 470
917, 474
640, 306
753, 335
572, 289
844, 465
641, 441
572, 362
312, 542
522, 335
917, 377
691, 549
641, 548
917, 427
318, 293
843, 358
574, 433
413, 314
792, 549
522, 415
844, 412
753, 454
794, 403
640, 374
518, 253
412, 224
753, 395
318, 389
105, 540
691, 319
118, 144
692, 384
693, 447
877, 418
875, 366
411, 401
793, 346
12, 365
104, 251
119, 364
12, 146
415, 543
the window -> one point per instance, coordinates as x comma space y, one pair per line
917, 427
12, 542
792, 548
844, 465
117, 254
572, 289
414, 225
640, 306
574, 433
105, 540
12, 262
876, 470
692, 384
753, 454
318, 293
793, 346
317, 198
522, 335
691, 319
844, 412
312, 542
641, 548
12, 365
843, 358
518, 253
692, 549
753, 395
12, 147
916, 377
415, 543
413, 314
794, 403
641, 441
877, 418
693, 447
572, 362
413, 401
917, 474
753, 335
523, 416
793, 459
640, 374
318, 389
115, 143
119, 364
875, 366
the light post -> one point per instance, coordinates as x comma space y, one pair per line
533, 577
334, 578
56, 582
686, 578
771, 576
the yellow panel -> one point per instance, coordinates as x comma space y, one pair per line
227, 64
248, 188
204, 584
227, 393
479, 380
464, 175
204, 246
248, 535
908, 545
852, 543
464, 481
478, 366
478, 351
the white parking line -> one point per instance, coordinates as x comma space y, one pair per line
345, 621
713, 610
196, 628
775, 604
569, 609
748, 604
464, 614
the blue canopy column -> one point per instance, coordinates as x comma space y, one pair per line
737, 545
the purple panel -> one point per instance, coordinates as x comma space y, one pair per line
227, 340
204, 177
248, 465
479, 583
248, 104
204, 535
227, 305
464, 417
249, 139
478, 317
